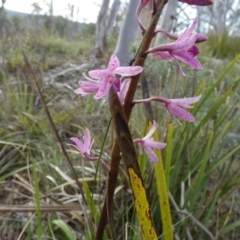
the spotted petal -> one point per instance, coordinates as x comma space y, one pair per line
187, 58
97, 74
151, 131
180, 112
87, 140
87, 88
78, 144
128, 71
151, 154
153, 144
185, 102
103, 89
113, 64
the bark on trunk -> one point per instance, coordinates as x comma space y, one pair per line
127, 34
113, 14
101, 33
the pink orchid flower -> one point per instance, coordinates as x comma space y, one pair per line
108, 78
197, 2
182, 49
176, 106
149, 144
84, 147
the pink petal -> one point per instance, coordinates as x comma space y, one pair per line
87, 88
193, 51
97, 74
185, 102
113, 63
79, 145
189, 60
191, 29
180, 68
184, 43
89, 158
151, 131
164, 55
87, 140
201, 38
180, 112
153, 144
128, 71
151, 154
123, 90
103, 89
198, 2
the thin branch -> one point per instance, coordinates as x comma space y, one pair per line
54, 129
186, 213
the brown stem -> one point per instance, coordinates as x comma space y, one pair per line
54, 129
115, 155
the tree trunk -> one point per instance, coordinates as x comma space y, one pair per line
101, 33
127, 34
113, 14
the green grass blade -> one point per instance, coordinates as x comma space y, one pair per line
37, 198
163, 195
220, 78
196, 185
223, 159
211, 112
64, 228
230, 227
168, 154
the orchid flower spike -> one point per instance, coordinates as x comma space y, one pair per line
149, 144
182, 49
198, 2
107, 77
84, 147
176, 107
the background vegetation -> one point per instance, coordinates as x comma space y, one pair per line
202, 161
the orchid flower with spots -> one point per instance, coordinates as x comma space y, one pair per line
175, 107
108, 77
84, 147
148, 144
182, 49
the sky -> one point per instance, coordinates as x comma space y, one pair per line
88, 9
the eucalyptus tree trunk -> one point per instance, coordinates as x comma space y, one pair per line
127, 34
168, 19
113, 14
101, 33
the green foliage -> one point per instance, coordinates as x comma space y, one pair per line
88, 30
225, 46
202, 164
60, 230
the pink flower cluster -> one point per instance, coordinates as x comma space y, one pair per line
100, 81
103, 80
